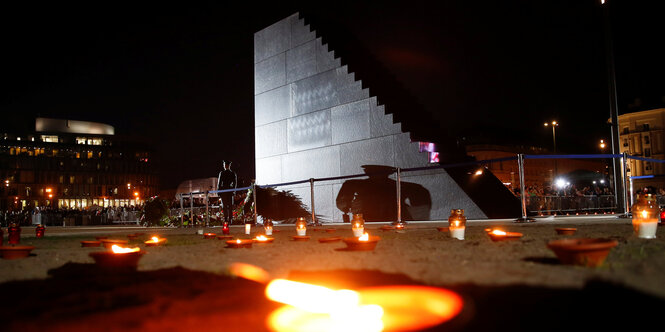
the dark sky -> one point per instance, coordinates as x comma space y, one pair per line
179, 77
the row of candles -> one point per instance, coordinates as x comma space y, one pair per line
14, 233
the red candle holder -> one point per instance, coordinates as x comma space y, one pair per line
209, 235
155, 242
39, 231
108, 243
330, 239
239, 243
498, 235
15, 251
109, 259
359, 244
300, 237
225, 228
585, 252
263, 239
86, 244
14, 234
565, 231
224, 237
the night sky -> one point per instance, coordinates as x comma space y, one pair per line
179, 77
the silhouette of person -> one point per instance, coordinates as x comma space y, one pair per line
227, 179
376, 198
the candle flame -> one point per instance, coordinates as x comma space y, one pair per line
456, 223
155, 239
238, 241
250, 272
120, 250
498, 232
364, 237
340, 310
261, 238
645, 214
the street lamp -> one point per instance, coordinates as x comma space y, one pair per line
553, 124
602, 145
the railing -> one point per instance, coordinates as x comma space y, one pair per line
549, 205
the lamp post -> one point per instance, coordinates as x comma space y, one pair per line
619, 181
553, 124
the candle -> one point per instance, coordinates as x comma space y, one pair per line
15, 251
358, 227
14, 233
118, 257
239, 243
301, 226
39, 231
267, 225
499, 235
263, 239
209, 235
645, 216
394, 308
225, 228
248, 228
155, 241
457, 231
362, 243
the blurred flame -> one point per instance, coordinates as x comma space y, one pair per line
120, 250
238, 241
364, 237
250, 272
154, 239
321, 308
645, 214
456, 223
498, 232
261, 238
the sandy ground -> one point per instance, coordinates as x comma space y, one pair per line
421, 253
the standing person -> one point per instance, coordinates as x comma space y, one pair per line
227, 179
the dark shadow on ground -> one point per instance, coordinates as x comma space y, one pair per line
543, 260
376, 197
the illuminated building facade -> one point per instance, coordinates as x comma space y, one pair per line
641, 134
73, 164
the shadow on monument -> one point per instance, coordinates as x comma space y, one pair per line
376, 197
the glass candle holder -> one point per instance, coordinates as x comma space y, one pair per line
645, 216
39, 231
301, 226
358, 225
13, 233
267, 225
225, 228
457, 223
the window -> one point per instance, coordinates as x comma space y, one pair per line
433, 157
625, 130
80, 140
647, 165
645, 127
647, 152
646, 139
50, 138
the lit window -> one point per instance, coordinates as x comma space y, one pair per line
433, 157
50, 138
96, 141
426, 146
80, 140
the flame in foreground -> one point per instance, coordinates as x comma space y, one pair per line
498, 232
238, 241
120, 250
154, 239
364, 237
261, 238
318, 308
645, 214
249, 272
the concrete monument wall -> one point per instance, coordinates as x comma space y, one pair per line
314, 120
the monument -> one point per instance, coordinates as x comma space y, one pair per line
313, 119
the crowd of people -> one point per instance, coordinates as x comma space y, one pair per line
49, 216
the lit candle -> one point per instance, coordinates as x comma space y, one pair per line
267, 225
499, 235
263, 239
358, 227
457, 231
248, 228
155, 241
301, 226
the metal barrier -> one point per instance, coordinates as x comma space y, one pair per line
530, 204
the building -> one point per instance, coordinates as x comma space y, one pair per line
73, 164
313, 119
641, 135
